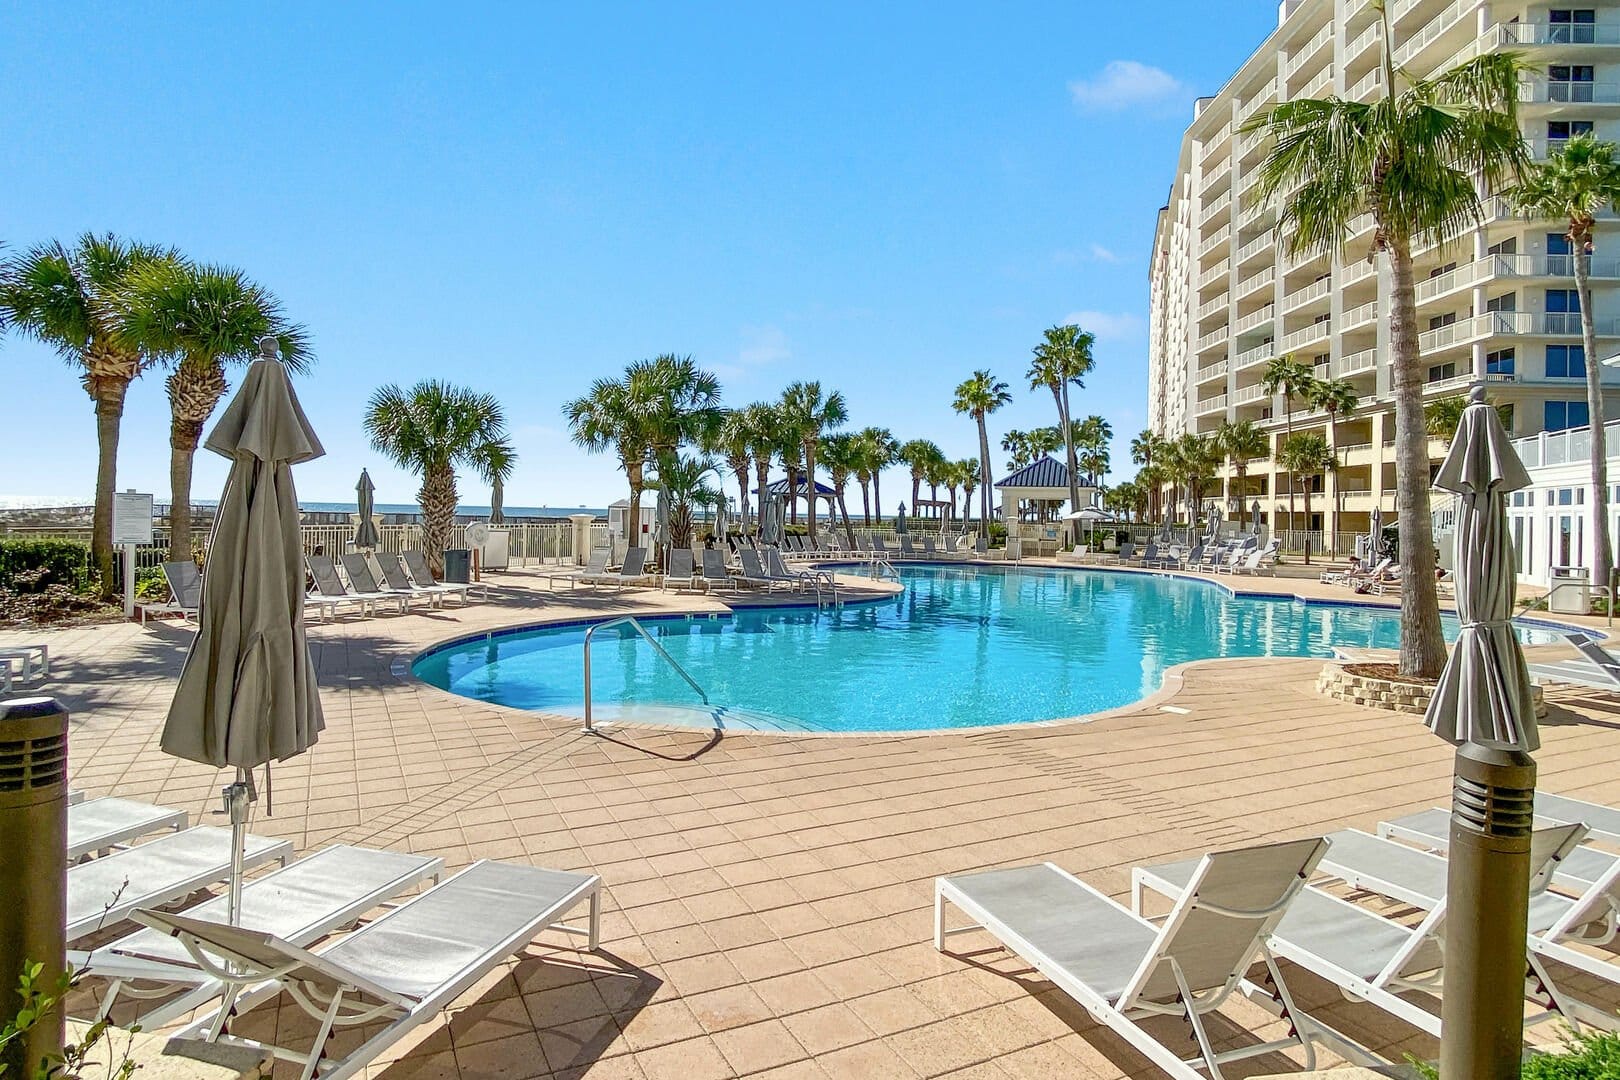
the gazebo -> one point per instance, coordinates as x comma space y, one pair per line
1033, 498
800, 491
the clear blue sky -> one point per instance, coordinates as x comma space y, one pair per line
524, 198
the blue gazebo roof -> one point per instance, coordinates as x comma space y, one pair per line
1043, 472
780, 487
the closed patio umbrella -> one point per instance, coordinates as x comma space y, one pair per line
247, 694
1375, 539
365, 533
900, 521
1482, 704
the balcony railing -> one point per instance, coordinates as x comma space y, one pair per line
1210, 307
1359, 316
1259, 354
1540, 33
1262, 97
1258, 280
1434, 28
1257, 392
1301, 56
1214, 404
1558, 91
1524, 323
1365, 86
1258, 210
1214, 338
1369, 36
1249, 142
1319, 85
1212, 371
1315, 290
1215, 273
1266, 241
1452, 280
1222, 201
1215, 239
1305, 335
1258, 317
1360, 270
1365, 360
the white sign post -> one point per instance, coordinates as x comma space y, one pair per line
131, 529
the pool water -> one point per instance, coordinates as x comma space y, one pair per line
959, 648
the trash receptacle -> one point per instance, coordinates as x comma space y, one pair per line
1569, 590
458, 565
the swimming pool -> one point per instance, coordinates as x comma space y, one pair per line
961, 647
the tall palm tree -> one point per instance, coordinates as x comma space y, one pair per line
883, 450
1337, 398
761, 423
841, 453
1197, 458
675, 401
1090, 439
1062, 358
66, 298
1145, 448
978, 397
951, 477
1241, 441
1412, 159
813, 413
684, 480
199, 319
968, 475
733, 441
1574, 184
918, 454
603, 420
1307, 454
1286, 376
432, 429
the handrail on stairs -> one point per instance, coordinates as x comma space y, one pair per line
590, 728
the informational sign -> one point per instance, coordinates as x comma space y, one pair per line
132, 518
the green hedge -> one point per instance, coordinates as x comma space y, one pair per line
64, 562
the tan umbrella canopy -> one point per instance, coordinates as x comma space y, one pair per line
247, 694
365, 533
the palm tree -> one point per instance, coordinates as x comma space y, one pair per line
431, 430
1576, 182
1443, 416
1413, 160
871, 454
951, 477
675, 401
199, 319
762, 423
1241, 441
1062, 358
1090, 439
1286, 376
1151, 478
684, 480
1307, 454
1197, 458
841, 453
813, 414
1337, 398
918, 454
978, 397
1145, 448
968, 475
734, 441
882, 450
603, 420
66, 299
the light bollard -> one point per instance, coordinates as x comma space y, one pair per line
33, 864
1487, 889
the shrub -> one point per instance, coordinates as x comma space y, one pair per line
64, 562
151, 585
1585, 1057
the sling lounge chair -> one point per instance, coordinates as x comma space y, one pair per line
754, 573
184, 580
301, 903
1122, 968
331, 587
681, 573
357, 568
907, 549
394, 575
715, 576
595, 566
811, 579
631, 572
98, 826
1596, 668
394, 973
106, 891
416, 562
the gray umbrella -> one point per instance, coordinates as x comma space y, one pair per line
900, 520
1484, 692
1375, 539
247, 694
661, 528
497, 501
365, 533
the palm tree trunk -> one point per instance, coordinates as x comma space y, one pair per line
1288, 437
1068, 447
849, 529
437, 498
109, 397
916, 489
1423, 648
866, 502
810, 486
1602, 555
762, 472
1307, 524
194, 388
1242, 475
877, 496
741, 472
984, 470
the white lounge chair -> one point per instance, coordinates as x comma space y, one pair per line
301, 903
631, 572
595, 566
31, 660
106, 891
416, 562
184, 580
681, 573
365, 583
715, 575
98, 826
1122, 968
398, 971
331, 588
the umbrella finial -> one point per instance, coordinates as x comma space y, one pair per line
269, 347
1476, 394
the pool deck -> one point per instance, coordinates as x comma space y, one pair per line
769, 902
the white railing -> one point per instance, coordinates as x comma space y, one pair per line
1552, 91
1433, 29
1221, 202
1257, 280
1258, 317
1359, 316
1370, 36
1212, 339
1209, 405
1540, 33
1303, 54
1305, 335
1249, 142
1210, 307
1365, 360
1215, 239
1458, 332
1352, 272
1219, 270
1365, 86
1361, 223
1262, 97
1259, 354
1211, 371
1319, 85
1541, 147
1315, 290
1456, 278
1562, 447
1266, 241
1257, 392
1260, 210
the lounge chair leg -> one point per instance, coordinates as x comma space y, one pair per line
1190, 1004
319, 1049
593, 940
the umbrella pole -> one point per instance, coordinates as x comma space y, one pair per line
1488, 886
236, 805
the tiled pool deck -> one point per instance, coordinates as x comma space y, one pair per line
770, 896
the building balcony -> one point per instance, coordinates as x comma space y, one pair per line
1215, 339
1437, 28
1257, 211
1264, 244
1210, 212
1248, 144
1210, 405
1511, 323
1355, 363
1254, 282
1566, 92
1213, 307
1256, 392
1359, 316
1257, 355
1319, 85
1309, 51
1305, 336
1541, 33
1215, 273
1352, 272
1372, 35
1208, 372
1366, 87
1316, 290
1215, 239
1257, 318
1259, 100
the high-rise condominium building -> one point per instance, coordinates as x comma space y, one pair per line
1497, 303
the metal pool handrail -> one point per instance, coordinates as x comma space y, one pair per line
659, 649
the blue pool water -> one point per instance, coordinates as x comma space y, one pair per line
959, 648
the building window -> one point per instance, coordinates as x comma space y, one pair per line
1563, 300
1565, 361
1563, 311
1506, 302
1572, 26
1442, 371
1562, 415
1569, 82
1504, 247
1560, 130
1499, 362
1437, 321
1506, 413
